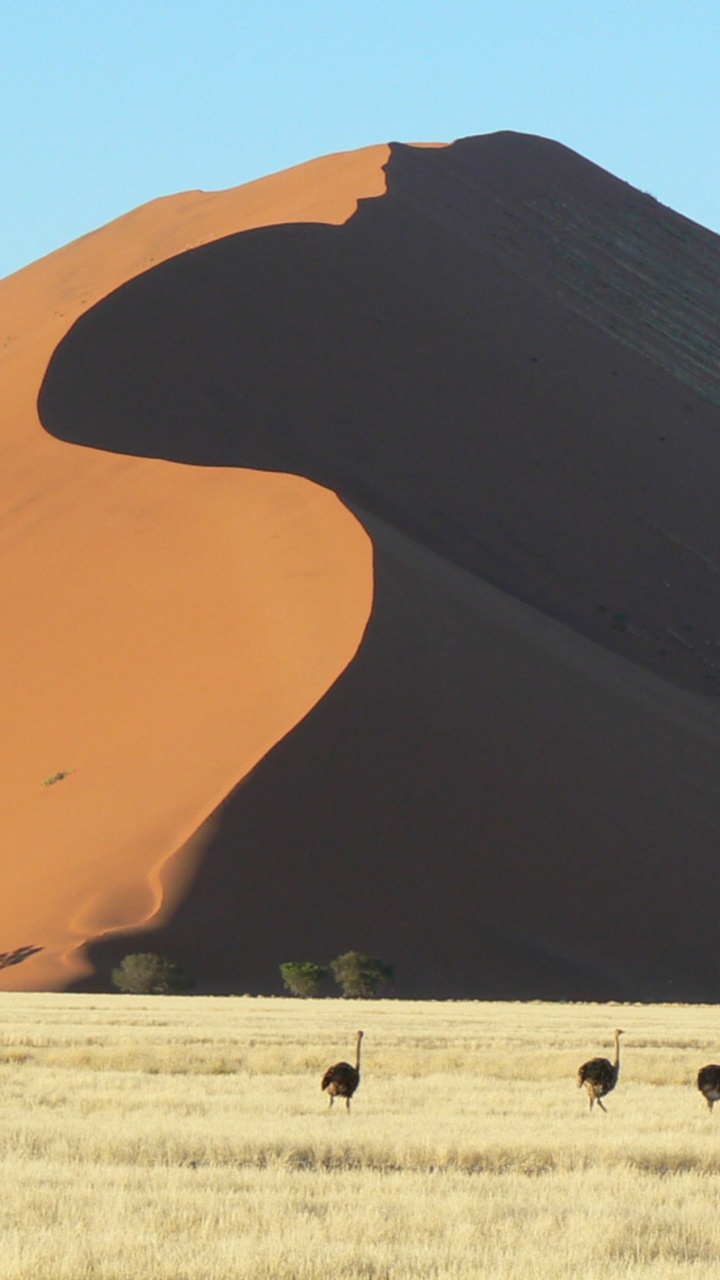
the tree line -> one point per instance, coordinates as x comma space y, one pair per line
359, 977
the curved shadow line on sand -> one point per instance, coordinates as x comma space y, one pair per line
418, 361
304, 348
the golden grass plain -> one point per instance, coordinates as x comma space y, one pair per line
174, 1138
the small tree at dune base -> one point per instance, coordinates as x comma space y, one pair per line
303, 978
145, 974
361, 977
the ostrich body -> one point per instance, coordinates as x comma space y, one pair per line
708, 1082
600, 1076
342, 1080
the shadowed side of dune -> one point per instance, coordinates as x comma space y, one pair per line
447, 378
513, 789
499, 808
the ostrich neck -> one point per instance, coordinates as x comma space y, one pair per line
616, 1063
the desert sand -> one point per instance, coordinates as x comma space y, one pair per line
471, 389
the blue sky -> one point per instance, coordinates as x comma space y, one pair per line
105, 104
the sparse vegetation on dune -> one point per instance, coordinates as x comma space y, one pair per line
176, 1139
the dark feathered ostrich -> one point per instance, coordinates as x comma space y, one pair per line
342, 1080
708, 1082
600, 1076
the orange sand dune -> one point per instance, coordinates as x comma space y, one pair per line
163, 626
506, 366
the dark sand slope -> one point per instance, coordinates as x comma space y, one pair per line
507, 367
441, 375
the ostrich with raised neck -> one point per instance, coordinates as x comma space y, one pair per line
342, 1079
599, 1075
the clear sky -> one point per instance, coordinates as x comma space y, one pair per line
105, 104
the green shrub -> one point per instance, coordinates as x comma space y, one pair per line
145, 974
303, 978
361, 976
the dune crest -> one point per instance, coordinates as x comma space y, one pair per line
168, 624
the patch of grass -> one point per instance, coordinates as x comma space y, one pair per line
171, 1137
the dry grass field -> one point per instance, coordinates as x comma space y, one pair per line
173, 1138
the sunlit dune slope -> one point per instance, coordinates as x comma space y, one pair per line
507, 367
163, 625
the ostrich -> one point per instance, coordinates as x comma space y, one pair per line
342, 1080
600, 1076
708, 1082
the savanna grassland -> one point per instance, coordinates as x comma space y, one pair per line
171, 1138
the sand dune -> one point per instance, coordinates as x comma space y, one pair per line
504, 364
